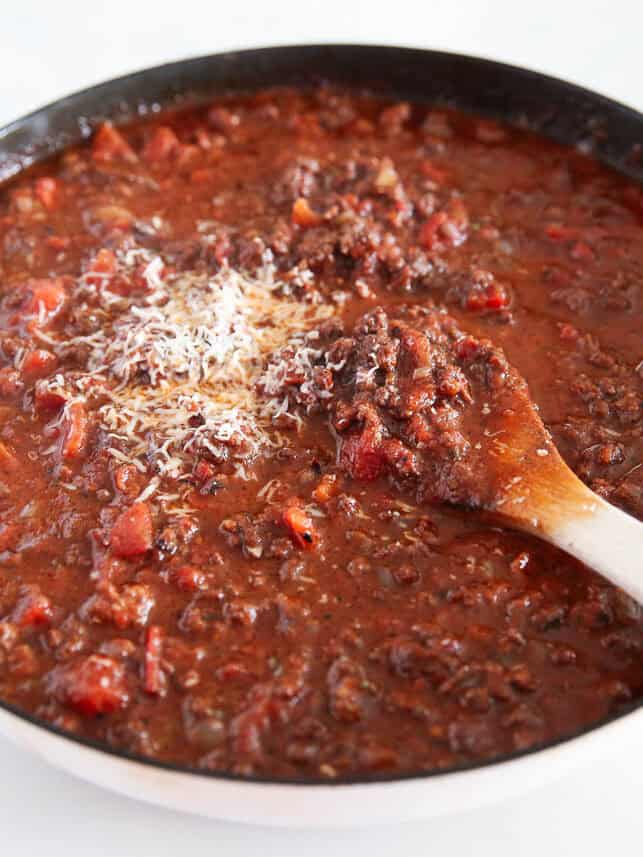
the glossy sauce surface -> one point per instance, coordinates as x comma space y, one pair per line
290, 603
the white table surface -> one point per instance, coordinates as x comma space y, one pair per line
49, 49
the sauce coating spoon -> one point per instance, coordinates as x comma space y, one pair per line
447, 417
538, 493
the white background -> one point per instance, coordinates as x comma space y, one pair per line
51, 48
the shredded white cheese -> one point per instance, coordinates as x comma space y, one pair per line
179, 362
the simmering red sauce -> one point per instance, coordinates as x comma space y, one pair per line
247, 351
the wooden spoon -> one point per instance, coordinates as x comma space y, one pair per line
535, 491
450, 416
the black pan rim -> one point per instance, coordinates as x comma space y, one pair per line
120, 107
348, 47
69, 102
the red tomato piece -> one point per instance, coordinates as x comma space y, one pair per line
300, 525
75, 431
161, 145
33, 609
128, 480
101, 268
45, 294
132, 533
303, 215
94, 685
189, 578
46, 399
46, 190
581, 251
110, 145
558, 232
429, 231
153, 674
326, 488
568, 332
204, 471
361, 457
38, 363
490, 297
467, 348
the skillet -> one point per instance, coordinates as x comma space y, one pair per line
559, 110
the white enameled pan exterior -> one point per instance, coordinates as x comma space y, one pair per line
332, 805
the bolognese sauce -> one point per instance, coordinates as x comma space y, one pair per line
248, 352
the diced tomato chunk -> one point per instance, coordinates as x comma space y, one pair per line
33, 609
568, 333
326, 488
447, 227
94, 685
467, 348
147, 275
38, 363
162, 144
361, 457
303, 215
128, 480
153, 674
581, 251
558, 232
110, 145
204, 471
46, 399
46, 190
300, 525
490, 297
132, 533
101, 268
429, 231
47, 294
189, 578
352, 201
496, 297
75, 429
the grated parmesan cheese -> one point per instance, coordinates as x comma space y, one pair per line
177, 365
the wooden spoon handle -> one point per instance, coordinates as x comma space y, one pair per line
605, 539
546, 498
